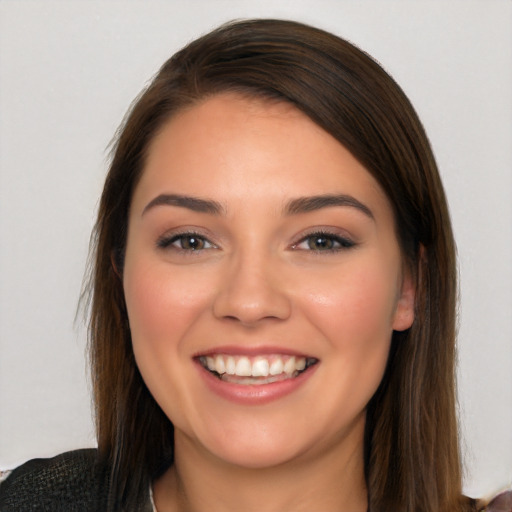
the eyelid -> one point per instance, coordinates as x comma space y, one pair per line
344, 241
167, 240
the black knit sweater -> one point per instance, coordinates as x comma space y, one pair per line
75, 482
69, 482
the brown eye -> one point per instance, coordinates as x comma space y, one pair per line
185, 242
320, 243
191, 243
324, 242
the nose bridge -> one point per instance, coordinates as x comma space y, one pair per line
253, 288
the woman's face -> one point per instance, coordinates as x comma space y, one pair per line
263, 280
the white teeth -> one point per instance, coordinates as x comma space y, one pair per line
230, 365
243, 367
210, 363
300, 364
289, 366
276, 367
220, 366
261, 366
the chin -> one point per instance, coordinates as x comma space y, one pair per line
257, 457
255, 445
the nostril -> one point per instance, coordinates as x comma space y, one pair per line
252, 291
235, 307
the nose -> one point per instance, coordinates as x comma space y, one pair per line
253, 289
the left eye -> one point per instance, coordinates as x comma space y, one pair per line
324, 242
186, 242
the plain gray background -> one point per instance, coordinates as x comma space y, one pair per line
69, 70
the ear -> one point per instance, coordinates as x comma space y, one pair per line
405, 306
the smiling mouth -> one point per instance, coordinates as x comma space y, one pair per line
258, 370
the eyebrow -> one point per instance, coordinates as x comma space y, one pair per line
312, 203
293, 207
191, 203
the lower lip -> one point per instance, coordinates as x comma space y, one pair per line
254, 394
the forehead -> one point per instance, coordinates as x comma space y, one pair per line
233, 146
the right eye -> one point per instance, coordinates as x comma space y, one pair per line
185, 242
325, 242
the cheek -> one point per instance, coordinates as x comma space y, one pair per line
163, 310
354, 305
161, 305
354, 313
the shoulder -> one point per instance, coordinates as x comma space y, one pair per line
71, 481
501, 503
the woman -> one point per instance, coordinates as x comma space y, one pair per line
273, 293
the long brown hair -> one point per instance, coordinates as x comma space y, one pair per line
411, 444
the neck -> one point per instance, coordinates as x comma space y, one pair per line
199, 482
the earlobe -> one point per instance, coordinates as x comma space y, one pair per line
405, 307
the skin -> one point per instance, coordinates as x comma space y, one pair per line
255, 280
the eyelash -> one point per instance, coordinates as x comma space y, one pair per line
338, 243
343, 243
168, 242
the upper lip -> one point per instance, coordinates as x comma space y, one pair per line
237, 350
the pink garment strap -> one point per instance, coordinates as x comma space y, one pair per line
501, 503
